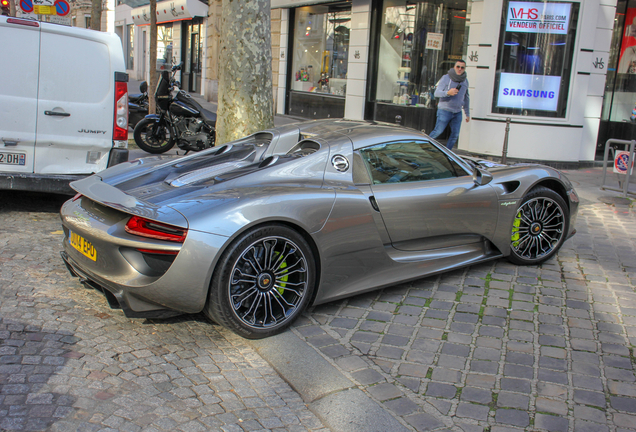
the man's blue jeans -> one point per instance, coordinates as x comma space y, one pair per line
443, 119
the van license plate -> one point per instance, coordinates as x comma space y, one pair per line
85, 247
12, 158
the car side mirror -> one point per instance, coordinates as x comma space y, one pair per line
481, 176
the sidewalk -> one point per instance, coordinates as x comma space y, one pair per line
279, 120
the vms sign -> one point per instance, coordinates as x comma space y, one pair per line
538, 92
526, 17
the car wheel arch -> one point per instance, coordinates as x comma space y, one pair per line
299, 229
554, 185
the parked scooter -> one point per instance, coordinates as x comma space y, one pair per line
180, 120
138, 105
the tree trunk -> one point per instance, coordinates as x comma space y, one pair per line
152, 59
96, 14
12, 7
246, 102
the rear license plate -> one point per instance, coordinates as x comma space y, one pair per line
85, 247
12, 158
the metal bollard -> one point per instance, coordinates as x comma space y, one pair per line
504, 154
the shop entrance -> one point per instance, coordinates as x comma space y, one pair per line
191, 72
618, 118
415, 44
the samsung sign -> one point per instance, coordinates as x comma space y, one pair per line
537, 92
538, 17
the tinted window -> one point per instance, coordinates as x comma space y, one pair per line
408, 162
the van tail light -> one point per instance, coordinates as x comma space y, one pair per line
120, 126
147, 228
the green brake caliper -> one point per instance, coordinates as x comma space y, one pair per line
515, 230
285, 278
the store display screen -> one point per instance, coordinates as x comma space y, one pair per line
521, 91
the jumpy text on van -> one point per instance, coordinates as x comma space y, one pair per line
91, 131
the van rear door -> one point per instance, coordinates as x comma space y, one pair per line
76, 101
19, 50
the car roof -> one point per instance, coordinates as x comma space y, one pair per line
361, 133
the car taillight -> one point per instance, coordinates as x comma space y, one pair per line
120, 127
157, 230
158, 252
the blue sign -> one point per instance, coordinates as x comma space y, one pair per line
523, 91
62, 7
26, 5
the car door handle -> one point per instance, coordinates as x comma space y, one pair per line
10, 142
55, 113
374, 203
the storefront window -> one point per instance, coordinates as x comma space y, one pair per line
419, 42
619, 103
535, 58
321, 49
164, 47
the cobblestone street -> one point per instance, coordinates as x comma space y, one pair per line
68, 362
494, 347
501, 346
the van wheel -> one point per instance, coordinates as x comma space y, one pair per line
153, 137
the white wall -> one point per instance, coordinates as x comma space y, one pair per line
569, 139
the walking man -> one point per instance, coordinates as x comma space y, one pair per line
452, 91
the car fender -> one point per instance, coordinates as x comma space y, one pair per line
512, 184
230, 212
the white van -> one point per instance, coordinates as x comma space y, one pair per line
63, 104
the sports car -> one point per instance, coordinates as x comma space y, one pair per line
255, 231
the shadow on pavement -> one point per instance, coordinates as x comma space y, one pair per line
33, 375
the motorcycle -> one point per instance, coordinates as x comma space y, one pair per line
181, 120
138, 105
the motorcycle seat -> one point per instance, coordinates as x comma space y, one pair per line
135, 97
208, 116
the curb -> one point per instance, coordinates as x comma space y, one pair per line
334, 398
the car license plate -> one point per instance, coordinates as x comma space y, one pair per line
85, 247
12, 158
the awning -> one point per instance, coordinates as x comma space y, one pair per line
297, 3
170, 10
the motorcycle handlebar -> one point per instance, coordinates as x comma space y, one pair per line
177, 67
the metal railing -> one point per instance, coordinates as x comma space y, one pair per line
630, 164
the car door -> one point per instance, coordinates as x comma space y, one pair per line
76, 104
426, 199
19, 50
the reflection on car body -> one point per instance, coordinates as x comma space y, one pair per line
255, 231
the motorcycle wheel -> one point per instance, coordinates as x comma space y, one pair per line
153, 138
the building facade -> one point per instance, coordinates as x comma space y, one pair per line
563, 72
546, 66
181, 35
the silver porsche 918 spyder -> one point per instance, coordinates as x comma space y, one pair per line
253, 232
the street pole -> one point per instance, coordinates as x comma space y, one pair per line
505, 145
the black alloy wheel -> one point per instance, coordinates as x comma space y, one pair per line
539, 228
153, 137
263, 282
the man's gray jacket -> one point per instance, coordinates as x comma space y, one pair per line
455, 103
